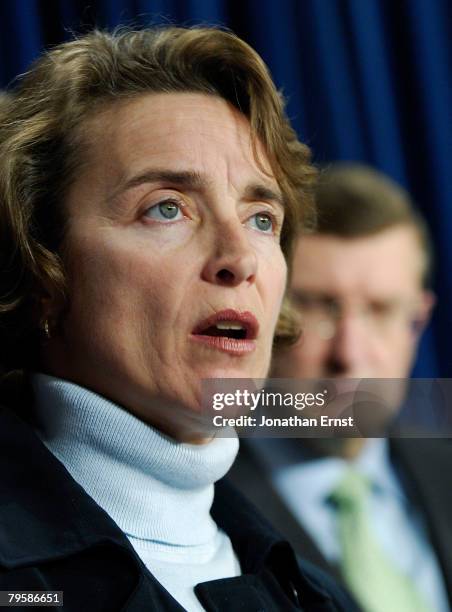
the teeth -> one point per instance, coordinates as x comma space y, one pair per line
228, 325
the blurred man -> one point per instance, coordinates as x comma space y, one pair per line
372, 511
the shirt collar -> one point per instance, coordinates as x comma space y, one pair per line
318, 476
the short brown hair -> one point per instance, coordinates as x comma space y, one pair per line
355, 200
41, 148
4, 99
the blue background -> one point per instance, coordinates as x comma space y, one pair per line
366, 80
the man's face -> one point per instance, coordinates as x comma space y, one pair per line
173, 229
361, 303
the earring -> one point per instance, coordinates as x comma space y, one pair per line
46, 329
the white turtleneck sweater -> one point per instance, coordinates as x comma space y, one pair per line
157, 490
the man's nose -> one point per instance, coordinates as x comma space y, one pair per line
348, 345
232, 260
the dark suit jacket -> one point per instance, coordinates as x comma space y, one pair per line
53, 536
425, 469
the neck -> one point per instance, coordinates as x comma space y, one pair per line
155, 488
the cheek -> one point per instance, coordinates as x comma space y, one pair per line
274, 279
304, 360
402, 351
113, 285
311, 349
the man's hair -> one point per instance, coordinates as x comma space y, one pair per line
42, 148
354, 200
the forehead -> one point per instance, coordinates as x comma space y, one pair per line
172, 131
386, 264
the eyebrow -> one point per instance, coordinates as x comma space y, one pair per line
257, 191
191, 180
194, 180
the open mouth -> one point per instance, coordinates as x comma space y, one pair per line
226, 330
229, 331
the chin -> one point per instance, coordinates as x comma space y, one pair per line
236, 371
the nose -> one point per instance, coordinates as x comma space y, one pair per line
232, 260
348, 347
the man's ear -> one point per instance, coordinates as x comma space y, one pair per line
423, 312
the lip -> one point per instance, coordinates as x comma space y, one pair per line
231, 346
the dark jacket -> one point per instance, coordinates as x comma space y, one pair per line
423, 467
54, 537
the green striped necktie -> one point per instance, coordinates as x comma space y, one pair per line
376, 582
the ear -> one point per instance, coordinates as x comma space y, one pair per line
423, 313
48, 306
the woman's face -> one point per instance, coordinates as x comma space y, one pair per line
172, 250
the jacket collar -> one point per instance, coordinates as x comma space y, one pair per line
45, 515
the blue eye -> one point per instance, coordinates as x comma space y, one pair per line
168, 210
262, 222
